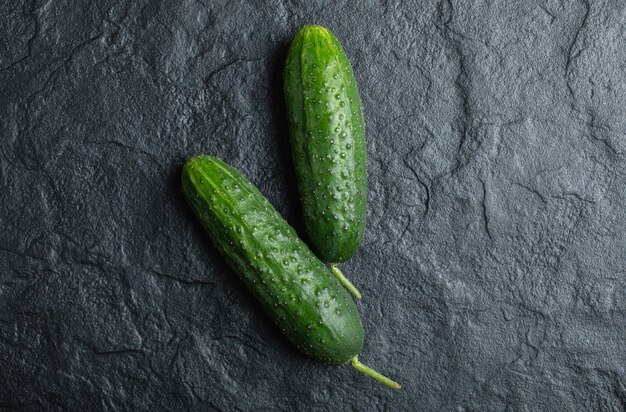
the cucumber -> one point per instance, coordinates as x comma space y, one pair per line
294, 287
327, 136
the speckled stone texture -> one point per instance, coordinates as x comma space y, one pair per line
493, 269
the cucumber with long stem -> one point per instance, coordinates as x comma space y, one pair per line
295, 288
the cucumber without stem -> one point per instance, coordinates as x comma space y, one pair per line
294, 287
328, 142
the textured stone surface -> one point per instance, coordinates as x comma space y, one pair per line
493, 268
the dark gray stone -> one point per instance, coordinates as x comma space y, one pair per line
493, 268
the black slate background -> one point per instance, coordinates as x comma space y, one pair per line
493, 267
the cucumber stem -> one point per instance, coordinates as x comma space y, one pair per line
344, 281
371, 372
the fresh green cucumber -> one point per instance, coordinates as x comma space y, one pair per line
328, 142
295, 288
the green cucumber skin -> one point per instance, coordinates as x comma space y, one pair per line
296, 289
327, 137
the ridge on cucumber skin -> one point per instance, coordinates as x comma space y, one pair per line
328, 142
